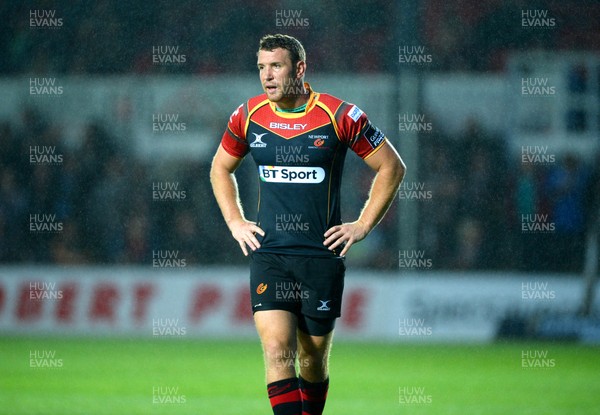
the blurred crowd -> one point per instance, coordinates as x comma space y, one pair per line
102, 198
496, 210
113, 36
101, 195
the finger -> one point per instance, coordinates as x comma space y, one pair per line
243, 246
331, 231
346, 248
258, 230
337, 243
333, 237
252, 242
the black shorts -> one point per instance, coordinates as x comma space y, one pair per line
305, 286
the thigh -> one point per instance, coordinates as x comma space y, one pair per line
322, 280
276, 328
315, 326
268, 275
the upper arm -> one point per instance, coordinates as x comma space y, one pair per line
224, 162
387, 158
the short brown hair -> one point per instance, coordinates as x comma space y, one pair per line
289, 43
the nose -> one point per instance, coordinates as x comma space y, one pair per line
267, 74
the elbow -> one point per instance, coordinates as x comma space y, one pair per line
399, 171
212, 172
215, 171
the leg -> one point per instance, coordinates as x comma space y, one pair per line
313, 356
313, 361
277, 332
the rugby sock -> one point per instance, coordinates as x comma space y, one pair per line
313, 396
285, 397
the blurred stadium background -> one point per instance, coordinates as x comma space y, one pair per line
121, 288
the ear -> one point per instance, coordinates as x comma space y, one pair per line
300, 69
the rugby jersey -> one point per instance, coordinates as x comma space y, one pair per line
299, 159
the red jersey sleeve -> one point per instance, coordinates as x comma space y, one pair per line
357, 131
234, 138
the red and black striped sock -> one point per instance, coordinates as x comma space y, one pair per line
313, 396
285, 397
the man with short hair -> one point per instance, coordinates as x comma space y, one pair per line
298, 139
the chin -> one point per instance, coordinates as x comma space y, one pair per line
274, 98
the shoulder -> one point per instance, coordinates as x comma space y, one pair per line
256, 102
340, 109
330, 102
249, 106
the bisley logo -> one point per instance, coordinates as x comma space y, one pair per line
286, 126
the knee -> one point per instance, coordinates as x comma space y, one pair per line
314, 354
279, 350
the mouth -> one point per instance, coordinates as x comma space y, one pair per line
270, 89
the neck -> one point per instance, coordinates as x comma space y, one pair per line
294, 101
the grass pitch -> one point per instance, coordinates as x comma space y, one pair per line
139, 376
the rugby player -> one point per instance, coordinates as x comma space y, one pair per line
298, 139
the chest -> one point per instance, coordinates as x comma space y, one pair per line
292, 143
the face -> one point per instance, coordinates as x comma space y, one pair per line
277, 75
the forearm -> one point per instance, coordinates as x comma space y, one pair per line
226, 193
383, 191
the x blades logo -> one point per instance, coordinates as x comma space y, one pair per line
324, 306
258, 140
